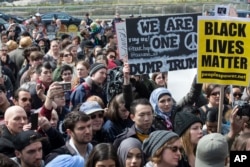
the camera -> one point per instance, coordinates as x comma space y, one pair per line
243, 108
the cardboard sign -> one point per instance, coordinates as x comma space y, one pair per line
121, 33
159, 44
223, 52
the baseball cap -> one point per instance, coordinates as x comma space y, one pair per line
90, 107
25, 138
212, 149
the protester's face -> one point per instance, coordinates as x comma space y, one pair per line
54, 119
82, 71
211, 127
46, 75
134, 158
16, 121
4, 38
24, 100
59, 99
105, 163
67, 58
3, 52
171, 155
165, 103
82, 133
236, 95
123, 112
111, 56
74, 52
196, 133
100, 76
67, 76
54, 47
97, 120
160, 80
214, 97
31, 155
143, 117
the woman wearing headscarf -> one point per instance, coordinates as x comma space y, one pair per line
165, 107
130, 153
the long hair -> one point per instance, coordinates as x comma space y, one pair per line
101, 152
186, 142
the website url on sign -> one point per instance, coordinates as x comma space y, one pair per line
223, 75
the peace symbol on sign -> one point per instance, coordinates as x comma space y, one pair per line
191, 41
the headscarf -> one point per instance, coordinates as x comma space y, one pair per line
127, 145
66, 160
154, 98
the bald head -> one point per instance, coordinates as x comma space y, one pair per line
15, 118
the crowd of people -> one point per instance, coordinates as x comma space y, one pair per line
71, 102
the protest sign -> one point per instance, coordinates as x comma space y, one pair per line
164, 43
223, 52
120, 29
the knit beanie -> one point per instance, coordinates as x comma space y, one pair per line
95, 67
183, 120
156, 140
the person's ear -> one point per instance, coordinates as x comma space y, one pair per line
18, 154
132, 117
69, 132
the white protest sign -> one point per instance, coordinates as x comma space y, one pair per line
121, 39
179, 82
221, 10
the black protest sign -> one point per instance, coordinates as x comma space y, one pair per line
164, 43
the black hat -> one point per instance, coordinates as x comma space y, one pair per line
7, 147
26, 138
183, 120
95, 67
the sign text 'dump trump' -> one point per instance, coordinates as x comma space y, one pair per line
164, 43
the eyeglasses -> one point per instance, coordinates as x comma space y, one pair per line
26, 99
215, 93
237, 94
65, 74
175, 149
96, 115
3, 50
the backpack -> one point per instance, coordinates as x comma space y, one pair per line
114, 82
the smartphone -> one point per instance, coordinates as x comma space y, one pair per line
66, 86
34, 121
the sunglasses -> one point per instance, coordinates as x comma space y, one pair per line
175, 149
215, 93
237, 94
96, 115
26, 99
